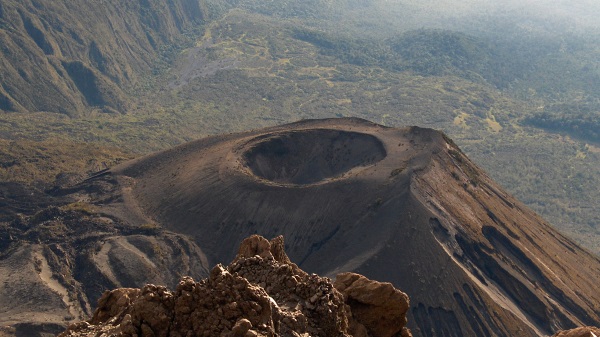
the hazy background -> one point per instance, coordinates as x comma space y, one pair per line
515, 83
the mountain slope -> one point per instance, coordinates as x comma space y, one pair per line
398, 205
55, 265
67, 56
478, 82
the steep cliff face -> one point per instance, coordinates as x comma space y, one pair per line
66, 56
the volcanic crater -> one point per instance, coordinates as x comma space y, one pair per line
311, 156
400, 205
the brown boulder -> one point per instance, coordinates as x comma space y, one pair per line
378, 306
275, 249
254, 245
112, 303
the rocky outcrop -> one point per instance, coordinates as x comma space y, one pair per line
261, 293
586, 331
380, 307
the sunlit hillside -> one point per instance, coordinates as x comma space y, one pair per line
515, 83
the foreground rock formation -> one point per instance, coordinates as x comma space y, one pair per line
378, 306
261, 293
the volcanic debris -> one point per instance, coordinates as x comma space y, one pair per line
261, 293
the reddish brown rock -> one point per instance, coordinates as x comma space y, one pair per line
586, 331
261, 293
378, 306
112, 303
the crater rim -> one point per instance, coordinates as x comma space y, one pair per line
311, 156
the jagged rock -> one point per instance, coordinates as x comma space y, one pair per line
112, 303
275, 249
378, 306
261, 293
586, 331
254, 245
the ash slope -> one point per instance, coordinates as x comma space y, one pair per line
397, 205
55, 265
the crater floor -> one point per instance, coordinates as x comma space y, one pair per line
309, 156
